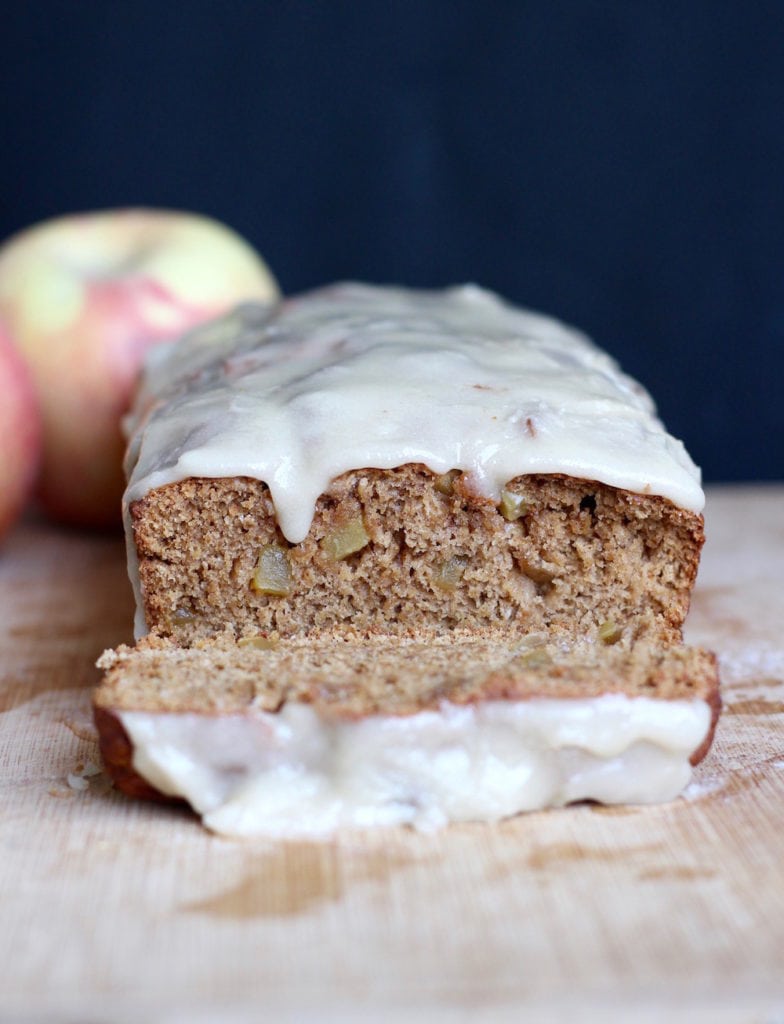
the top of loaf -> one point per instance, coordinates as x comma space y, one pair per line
356, 376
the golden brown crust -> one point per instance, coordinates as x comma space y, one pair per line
117, 753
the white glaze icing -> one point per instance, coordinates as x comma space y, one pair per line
355, 376
296, 773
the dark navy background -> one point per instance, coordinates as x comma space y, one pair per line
618, 164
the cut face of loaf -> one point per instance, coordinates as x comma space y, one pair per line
408, 552
304, 736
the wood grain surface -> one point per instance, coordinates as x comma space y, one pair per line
112, 910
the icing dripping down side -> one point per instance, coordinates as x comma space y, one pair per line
296, 773
354, 376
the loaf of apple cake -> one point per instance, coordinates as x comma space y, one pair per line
427, 515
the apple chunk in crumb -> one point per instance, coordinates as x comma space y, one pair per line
84, 297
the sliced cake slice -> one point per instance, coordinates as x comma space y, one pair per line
304, 737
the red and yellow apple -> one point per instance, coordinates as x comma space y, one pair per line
20, 434
83, 297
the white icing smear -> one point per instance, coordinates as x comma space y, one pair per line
297, 773
355, 376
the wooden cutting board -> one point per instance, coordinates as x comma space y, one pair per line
114, 910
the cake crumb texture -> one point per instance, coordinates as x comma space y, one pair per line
404, 551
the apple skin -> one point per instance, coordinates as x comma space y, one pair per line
83, 298
20, 434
